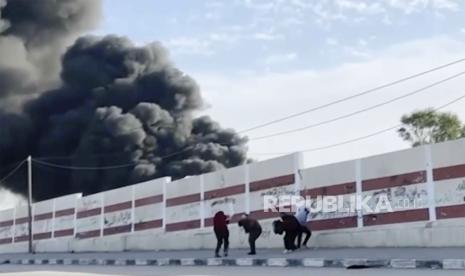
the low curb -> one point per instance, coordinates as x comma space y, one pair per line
447, 264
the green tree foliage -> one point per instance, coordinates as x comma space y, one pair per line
429, 126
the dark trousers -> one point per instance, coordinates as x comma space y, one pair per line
308, 234
289, 240
253, 236
222, 237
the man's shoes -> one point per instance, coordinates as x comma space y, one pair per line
251, 253
217, 255
286, 251
226, 254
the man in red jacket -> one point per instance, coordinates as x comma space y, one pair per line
220, 226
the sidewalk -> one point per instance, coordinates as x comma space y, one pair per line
429, 258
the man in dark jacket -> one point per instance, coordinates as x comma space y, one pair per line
290, 226
253, 228
220, 227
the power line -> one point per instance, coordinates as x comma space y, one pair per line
372, 134
83, 167
12, 171
73, 156
303, 150
290, 116
8, 166
359, 111
352, 96
126, 165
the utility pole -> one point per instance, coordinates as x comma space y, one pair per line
29, 200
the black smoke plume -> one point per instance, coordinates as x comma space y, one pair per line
97, 102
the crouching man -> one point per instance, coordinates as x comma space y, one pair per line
302, 216
290, 226
253, 228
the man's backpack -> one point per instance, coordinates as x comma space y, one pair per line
278, 227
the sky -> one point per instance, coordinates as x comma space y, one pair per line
256, 61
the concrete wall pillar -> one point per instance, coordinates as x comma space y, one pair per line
430, 184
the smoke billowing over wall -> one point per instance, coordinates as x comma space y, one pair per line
97, 102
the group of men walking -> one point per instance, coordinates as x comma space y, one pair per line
292, 226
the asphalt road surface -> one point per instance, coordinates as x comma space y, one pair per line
22, 270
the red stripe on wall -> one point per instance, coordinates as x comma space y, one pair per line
65, 212
6, 240
335, 223
261, 214
88, 234
272, 182
182, 200
22, 238
396, 217
184, 225
43, 216
149, 200
455, 211
89, 213
117, 230
394, 181
6, 223
234, 219
228, 191
42, 236
21, 220
63, 233
146, 225
444, 173
339, 189
117, 207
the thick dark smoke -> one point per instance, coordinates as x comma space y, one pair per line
102, 102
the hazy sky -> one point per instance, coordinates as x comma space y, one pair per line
259, 60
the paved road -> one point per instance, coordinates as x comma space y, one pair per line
206, 271
365, 253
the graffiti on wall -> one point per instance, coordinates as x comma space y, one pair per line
87, 224
400, 198
343, 209
5, 232
184, 212
226, 204
65, 222
280, 191
43, 226
21, 230
89, 203
451, 192
118, 218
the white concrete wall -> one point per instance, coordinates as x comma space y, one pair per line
160, 213
149, 205
21, 224
87, 223
394, 169
6, 226
282, 173
217, 183
451, 190
43, 219
182, 188
323, 181
65, 211
117, 214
